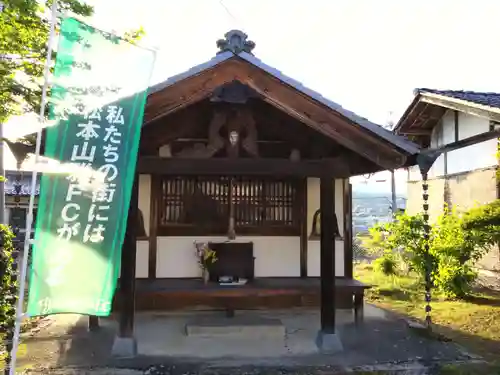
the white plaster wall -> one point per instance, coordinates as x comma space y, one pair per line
313, 202
145, 199
414, 173
437, 140
164, 151
448, 123
142, 260
274, 256
313, 246
313, 258
480, 155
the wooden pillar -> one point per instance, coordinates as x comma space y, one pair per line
348, 250
127, 278
327, 255
156, 192
93, 325
303, 227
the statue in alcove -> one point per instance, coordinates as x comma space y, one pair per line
316, 226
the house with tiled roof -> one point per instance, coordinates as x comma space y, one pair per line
463, 177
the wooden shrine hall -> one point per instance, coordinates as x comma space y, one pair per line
237, 155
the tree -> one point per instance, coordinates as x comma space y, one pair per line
24, 26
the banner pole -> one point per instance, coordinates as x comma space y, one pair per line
29, 220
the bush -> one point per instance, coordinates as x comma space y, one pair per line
454, 279
386, 264
8, 287
456, 243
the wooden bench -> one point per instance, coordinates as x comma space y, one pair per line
353, 290
349, 290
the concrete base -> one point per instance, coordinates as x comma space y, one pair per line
329, 342
237, 327
124, 347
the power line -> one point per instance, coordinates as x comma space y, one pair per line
230, 14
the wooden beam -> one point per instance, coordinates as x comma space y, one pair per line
171, 128
348, 250
334, 168
462, 106
284, 97
127, 276
419, 116
153, 225
327, 255
417, 131
464, 142
321, 118
188, 91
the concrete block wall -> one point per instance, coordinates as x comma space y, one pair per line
465, 190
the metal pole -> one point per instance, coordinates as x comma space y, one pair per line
2, 173
393, 193
29, 219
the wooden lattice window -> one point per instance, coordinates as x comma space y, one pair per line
204, 205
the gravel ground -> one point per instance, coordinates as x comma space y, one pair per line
65, 347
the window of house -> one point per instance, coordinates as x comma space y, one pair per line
204, 205
17, 217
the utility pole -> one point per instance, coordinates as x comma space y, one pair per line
2, 170
393, 193
389, 126
2, 173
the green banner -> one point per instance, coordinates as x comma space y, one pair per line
96, 110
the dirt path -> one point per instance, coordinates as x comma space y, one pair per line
63, 340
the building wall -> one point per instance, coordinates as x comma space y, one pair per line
436, 198
313, 246
274, 256
466, 190
463, 178
474, 157
277, 256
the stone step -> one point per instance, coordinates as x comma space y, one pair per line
238, 326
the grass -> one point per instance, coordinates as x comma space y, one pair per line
474, 323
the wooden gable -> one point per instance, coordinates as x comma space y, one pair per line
366, 140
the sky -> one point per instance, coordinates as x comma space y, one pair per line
366, 55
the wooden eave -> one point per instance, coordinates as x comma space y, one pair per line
471, 108
366, 139
426, 109
418, 121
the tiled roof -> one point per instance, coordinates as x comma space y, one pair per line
490, 99
19, 184
398, 141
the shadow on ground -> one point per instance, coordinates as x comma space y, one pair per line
380, 345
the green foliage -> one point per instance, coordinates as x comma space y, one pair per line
405, 237
387, 264
8, 283
485, 220
456, 243
24, 26
454, 278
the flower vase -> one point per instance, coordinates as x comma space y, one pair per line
206, 276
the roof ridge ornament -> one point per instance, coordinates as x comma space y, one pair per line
236, 42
